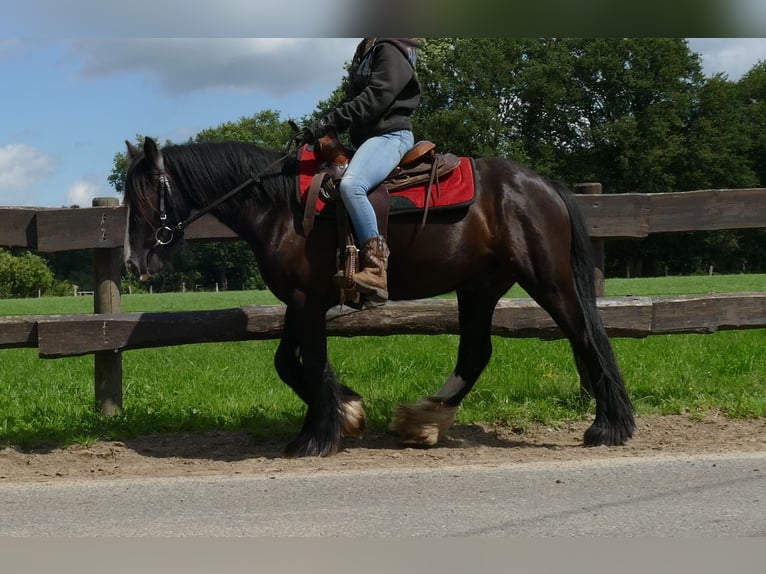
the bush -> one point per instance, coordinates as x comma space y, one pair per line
25, 275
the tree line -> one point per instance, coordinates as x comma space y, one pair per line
635, 114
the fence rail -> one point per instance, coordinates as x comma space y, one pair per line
635, 317
107, 332
619, 216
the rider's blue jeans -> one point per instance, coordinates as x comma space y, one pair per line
371, 163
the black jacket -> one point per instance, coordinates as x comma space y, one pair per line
382, 92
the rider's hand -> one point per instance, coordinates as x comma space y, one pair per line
315, 130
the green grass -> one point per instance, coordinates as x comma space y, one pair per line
192, 301
692, 285
233, 385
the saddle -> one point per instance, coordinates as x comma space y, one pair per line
420, 165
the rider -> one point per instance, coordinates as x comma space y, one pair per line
382, 92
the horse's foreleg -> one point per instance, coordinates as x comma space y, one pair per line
320, 434
426, 421
287, 362
289, 367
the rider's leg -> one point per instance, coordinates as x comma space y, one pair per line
371, 163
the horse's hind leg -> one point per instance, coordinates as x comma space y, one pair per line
289, 367
596, 364
425, 422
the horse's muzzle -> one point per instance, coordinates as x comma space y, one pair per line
143, 268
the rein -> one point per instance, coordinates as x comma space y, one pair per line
164, 234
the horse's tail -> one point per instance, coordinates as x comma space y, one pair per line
609, 384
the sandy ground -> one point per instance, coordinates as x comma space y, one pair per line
231, 453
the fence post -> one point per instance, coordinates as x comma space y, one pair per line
107, 264
597, 244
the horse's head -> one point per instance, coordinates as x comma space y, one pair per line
153, 210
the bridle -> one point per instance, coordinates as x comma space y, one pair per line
164, 234
164, 230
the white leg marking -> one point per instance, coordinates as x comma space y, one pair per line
453, 385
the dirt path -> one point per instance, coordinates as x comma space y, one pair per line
238, 453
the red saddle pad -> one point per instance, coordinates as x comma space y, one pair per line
456, 189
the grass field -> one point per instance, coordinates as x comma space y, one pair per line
234, 386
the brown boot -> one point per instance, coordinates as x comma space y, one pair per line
371, 280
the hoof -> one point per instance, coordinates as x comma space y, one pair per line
423, 423
353, 421
304, 446
609, 435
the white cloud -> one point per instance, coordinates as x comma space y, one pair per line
733, 57
82, 192
274, 66
21, 167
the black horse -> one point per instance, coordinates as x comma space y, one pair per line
520, 229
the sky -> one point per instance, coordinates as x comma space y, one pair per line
67, 105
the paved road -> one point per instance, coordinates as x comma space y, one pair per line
692, 496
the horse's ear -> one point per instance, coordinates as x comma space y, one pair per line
133, 151
153, 154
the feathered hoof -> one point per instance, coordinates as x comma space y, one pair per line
609, 435
305, 445
423, 423
353, 421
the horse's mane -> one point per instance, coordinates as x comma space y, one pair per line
205, 171
202, 172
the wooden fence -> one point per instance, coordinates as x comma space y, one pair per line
107, 332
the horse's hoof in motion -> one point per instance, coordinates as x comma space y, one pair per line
423, 423
303, 446
353, 422
600, 434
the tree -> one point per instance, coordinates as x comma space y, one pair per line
717, 140
264, 129
23, 276
752, 98
469, 97
75, 267
635, 114
610, 110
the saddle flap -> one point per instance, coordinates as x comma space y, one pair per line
440, 166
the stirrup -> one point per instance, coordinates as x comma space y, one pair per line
372, 294
344, 278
